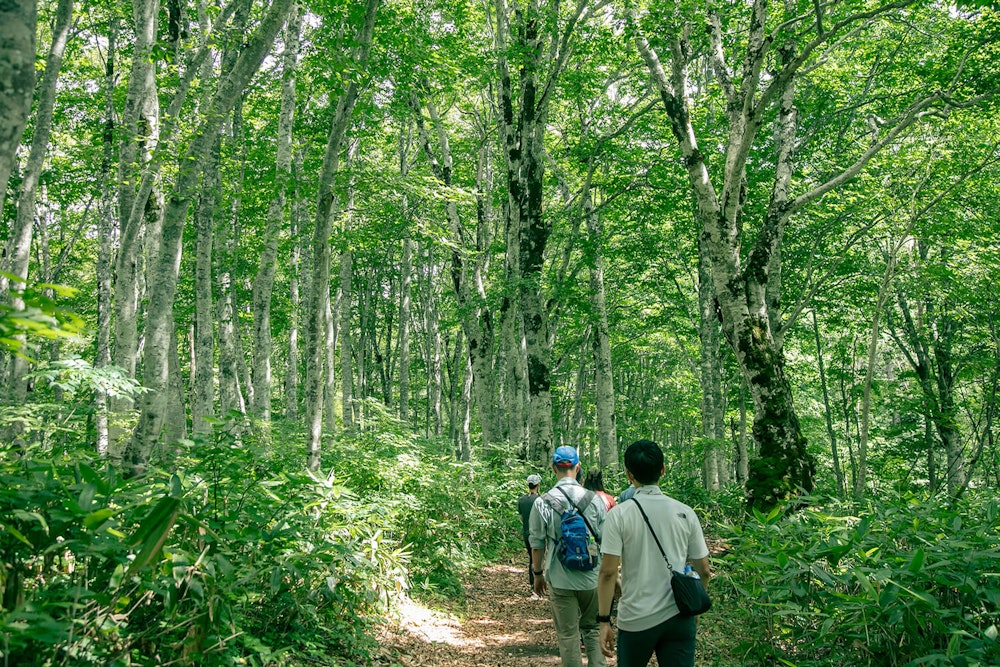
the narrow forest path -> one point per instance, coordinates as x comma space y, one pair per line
497, 625
500, 625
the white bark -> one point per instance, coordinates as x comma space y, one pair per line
607, 428
347, 335
105, 226
163, 289
203, 398
19, 247
264, 281
17, 80
294, 264
476, 319
326, 209
405, 283
127, 270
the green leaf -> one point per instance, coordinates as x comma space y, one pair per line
17, 534
917, 562
155, 535
176, 490
96, 518
782, 559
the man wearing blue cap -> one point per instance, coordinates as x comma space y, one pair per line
572, 593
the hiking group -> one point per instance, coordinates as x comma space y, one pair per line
585, 551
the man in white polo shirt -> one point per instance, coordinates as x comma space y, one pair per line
648, 620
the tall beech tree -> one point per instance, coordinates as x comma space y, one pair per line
156, 375
761, 56
17, 80
327, 209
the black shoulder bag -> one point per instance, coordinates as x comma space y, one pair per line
689, 592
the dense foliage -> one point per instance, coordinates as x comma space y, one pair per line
238, 556
904, 581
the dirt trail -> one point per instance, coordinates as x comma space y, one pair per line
498, 625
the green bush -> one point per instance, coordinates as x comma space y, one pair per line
236, 555
900, 583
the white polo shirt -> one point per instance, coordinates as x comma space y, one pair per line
647, 599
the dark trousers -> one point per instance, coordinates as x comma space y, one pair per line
672, 641
531, 568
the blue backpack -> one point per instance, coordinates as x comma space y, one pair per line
578, 548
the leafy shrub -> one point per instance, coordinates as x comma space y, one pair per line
900, 583
237, 555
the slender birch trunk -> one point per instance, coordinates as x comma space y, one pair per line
17, 79
828, 410
264, 281
231, 389
105, 225
127, 260
203, 398
346, 338
19, 249
326, 210
294, 264
607, 428
574, 429
163, 290
465, 404
405, 283
432, 345
476, 319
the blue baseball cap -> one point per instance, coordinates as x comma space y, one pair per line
565, 457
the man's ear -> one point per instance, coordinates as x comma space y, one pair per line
663, 470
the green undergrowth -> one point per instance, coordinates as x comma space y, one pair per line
235, 555
896, 582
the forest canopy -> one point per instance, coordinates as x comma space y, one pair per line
294, 294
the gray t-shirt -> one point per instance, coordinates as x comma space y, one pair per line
544, 531
647, 599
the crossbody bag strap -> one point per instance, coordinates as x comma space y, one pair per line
653, 533
589, 498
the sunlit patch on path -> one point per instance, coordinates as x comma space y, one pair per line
497, 625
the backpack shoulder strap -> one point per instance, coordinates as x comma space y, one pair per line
652, 532
553, 503
587, 500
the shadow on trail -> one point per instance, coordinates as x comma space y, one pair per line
497, 625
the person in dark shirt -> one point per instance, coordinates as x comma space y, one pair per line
524, 505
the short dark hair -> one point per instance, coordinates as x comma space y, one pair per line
594, 480
644, 459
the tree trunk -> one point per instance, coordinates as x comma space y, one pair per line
127, 260
17, 80
465, 434
264, 281
326, 209
203, 399
828, 411
607, 428
19, 250
522, 137
476, 319
163, 289
346, 334
105, 225
231, 396
294, 262
406, 281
